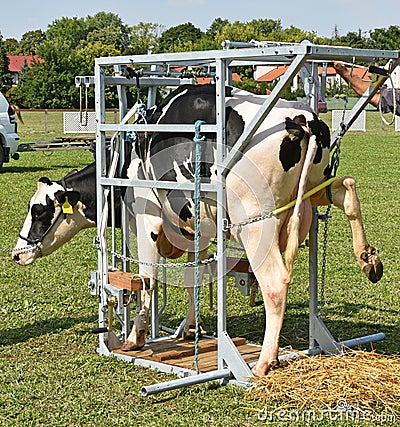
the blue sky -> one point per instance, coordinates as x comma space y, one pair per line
320, 16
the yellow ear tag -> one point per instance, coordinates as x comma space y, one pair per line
66, 207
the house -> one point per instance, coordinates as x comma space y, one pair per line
18, 61
271, 73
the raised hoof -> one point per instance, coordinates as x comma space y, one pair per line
189, 334
372, 265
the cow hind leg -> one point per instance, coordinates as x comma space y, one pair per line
146, 227
267, 264
344, 196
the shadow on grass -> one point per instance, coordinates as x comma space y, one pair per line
43, 327
33, 169
295, 331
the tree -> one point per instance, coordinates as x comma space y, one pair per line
86, 56
67, 32
69, 50
11, 46
109, 29
144, 36
5, 76
30, 42
238, 32
266, 27
216, 26
293, 35
385, 38
179, 39
355, 40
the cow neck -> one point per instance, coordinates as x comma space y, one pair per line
84, 182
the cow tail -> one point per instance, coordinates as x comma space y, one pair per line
294, 223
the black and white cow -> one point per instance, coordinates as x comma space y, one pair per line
288, 155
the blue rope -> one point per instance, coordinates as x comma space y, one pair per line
198, 139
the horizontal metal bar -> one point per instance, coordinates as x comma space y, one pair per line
185, 382
258, 54
147, 81
108, 127
165, 185
356, 342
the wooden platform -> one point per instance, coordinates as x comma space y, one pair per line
178, 352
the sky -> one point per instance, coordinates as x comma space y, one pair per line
319, 16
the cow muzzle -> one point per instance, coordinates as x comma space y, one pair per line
26, 257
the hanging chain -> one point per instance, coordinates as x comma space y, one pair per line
125, 258
325, 219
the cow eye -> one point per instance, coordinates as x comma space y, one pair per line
37, 210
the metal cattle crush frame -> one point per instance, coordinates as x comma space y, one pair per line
231, 365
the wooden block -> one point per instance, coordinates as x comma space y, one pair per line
126, 280
239, 265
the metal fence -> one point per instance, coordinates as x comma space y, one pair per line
359, 124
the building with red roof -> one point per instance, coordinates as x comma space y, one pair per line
18, 61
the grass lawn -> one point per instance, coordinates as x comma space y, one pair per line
50, 373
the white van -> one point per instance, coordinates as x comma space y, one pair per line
9, 138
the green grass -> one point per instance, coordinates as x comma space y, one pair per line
49, 370
42, 125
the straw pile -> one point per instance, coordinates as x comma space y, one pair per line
361, 379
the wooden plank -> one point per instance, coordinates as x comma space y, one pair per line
126, 280
180, 353
204, 347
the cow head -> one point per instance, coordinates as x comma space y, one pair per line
55, 215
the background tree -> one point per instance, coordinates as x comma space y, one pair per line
108, 28
238, 31
86, 56
208, 39
69, 47
179, 39
5, 76
11, 46
292, 35
356, 40
69, 50
144, 36
385, 38
30, 42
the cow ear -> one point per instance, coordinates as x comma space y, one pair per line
67, 199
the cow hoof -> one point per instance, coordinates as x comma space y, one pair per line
138, 345
261, 370
371, 265
130, 346
189, 333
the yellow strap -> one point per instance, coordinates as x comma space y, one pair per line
306, 195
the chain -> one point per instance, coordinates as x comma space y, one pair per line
23, 250
209, 260
228, 226
325, 219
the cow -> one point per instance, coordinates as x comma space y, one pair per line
288, 155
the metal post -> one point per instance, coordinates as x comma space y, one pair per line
125, 243
100, 172
313, 276
228, 354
